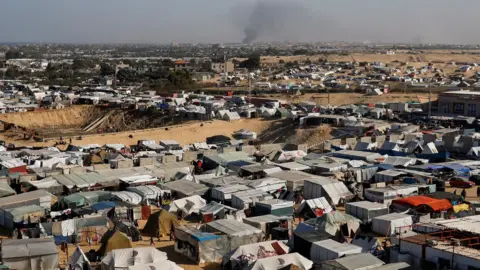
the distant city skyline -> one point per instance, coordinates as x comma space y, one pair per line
231, 21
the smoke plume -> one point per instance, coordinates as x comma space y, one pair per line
273, 19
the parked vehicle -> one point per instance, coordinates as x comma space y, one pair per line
460, 182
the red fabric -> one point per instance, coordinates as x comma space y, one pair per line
146, 211
318, 212
19, 169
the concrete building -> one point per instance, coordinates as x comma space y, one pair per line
223, 67
461, 102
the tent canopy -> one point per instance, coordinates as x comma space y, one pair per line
160, 222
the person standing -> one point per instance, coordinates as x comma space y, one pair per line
478, 192
464, 194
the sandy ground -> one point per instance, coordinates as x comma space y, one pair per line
185, 134
77, 116
352, 98
428, 56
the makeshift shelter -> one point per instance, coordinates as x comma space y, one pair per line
353, 262
335, 223
122, 259
268, 184
6, 219
245, 256
82, 199
215, 210
248, 198
118, 240
36, 197
314, 207
188, 205
224, 193
275, 207
160, 223
282, 261
392, 224
49, 184
6, 190
365, 210
422, 204
31, 213
302, 241
295, 179
267, 223
333, 190
148, 192
33, 253
78, 260
329, 249
368, 244
129, 229
128, 197
185, 188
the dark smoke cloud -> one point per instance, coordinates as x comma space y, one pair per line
274, 20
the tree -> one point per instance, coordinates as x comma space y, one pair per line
106, 69
253, 62
12, 73
79, 64
13, 55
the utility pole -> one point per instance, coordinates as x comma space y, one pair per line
429, 101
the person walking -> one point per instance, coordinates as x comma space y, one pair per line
464, 194
478, 192
455, 192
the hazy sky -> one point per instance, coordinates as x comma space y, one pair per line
164, 21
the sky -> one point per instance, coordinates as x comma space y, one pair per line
215, 21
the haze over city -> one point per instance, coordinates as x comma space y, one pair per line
210, 21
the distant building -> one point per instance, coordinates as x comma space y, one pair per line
223, 67
462, 102
3, 60
183, 65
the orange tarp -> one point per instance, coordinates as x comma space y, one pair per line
435, 204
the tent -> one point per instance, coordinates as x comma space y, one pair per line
121, 259
329, 249
365, 210
83, 198
188, 205
368, 244
5, 189
333, 190
78, 260
335, 223
302, 241
33, 253
160, 223
392, 223
279, 262
164, 265
314, 207
118, 240
246, 255
130, 230
128, 196
353, 261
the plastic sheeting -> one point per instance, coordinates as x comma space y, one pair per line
78, 260
128, 196
39, 253
188, 205
279, 262
123, 258
246, 255
331, 223
391, 223
329, 249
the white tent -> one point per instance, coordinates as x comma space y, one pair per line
392, 223
268, 184
164, 265
474, 151
128, 196
246, 255
189, 205
148, 192
280, 262
121, 259
36, 253
330, 249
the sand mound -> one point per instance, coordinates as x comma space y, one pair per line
312, 136
75, 116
